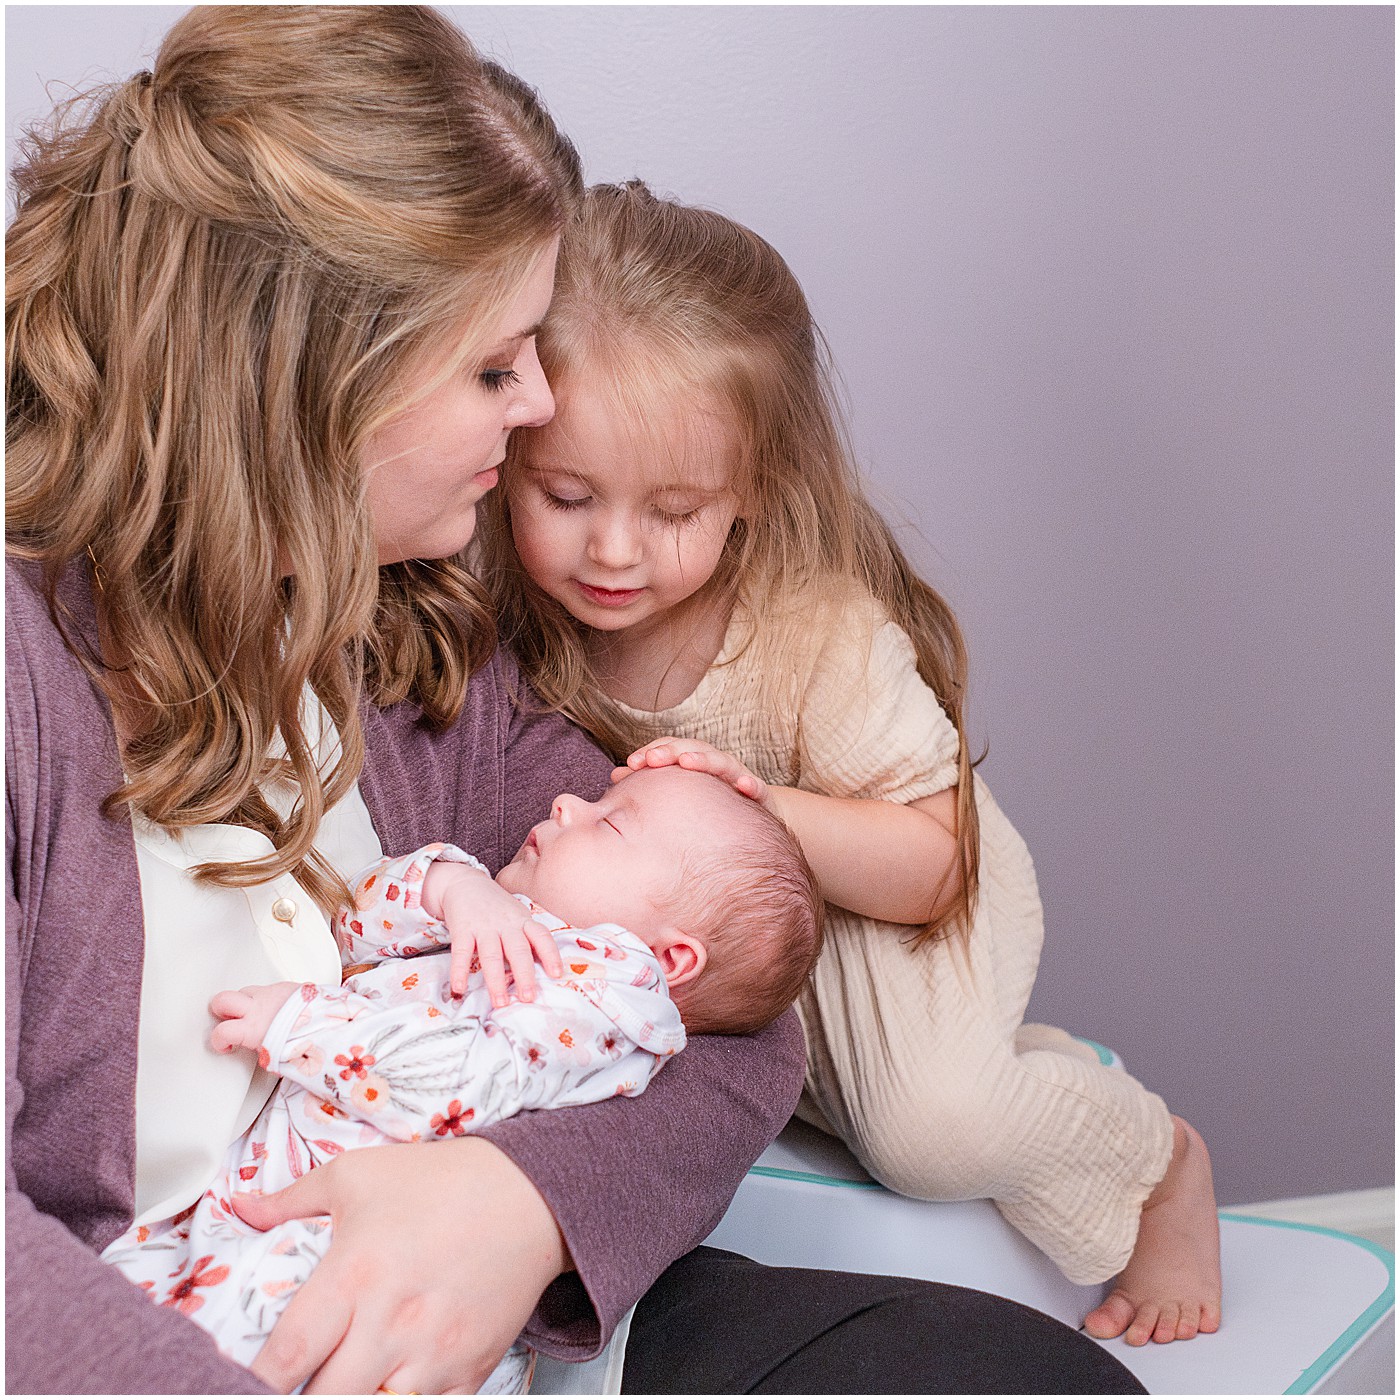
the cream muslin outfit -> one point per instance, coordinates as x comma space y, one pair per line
917, 1057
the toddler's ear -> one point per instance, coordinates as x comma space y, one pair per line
682, 957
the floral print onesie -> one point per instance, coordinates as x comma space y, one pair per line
392, 1056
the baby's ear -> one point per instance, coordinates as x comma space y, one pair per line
681, 955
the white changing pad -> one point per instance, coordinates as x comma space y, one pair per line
1306, 1309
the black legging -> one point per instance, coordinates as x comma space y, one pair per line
719, 1324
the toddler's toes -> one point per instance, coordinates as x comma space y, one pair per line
1190, 1322
1168, 1315
1140, 1330
1111, 1317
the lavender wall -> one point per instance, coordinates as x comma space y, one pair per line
1112, 293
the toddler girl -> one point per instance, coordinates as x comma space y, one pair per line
685, 550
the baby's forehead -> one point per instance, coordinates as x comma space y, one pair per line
699, 800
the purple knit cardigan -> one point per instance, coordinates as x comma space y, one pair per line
73, 980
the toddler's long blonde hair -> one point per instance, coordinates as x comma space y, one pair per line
700, 309
220, 277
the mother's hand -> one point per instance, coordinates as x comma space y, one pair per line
439, 1254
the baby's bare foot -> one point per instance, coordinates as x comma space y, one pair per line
1170, 1289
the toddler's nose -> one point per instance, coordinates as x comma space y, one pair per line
615, 544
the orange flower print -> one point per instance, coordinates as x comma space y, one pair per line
356, 1063
143, 1233
363, 895
183, 1295
454, 1121
370, 1094
564, 1043
409, 982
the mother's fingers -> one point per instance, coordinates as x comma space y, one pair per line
309, 1196
312, 1327
362, 1362
399, 1351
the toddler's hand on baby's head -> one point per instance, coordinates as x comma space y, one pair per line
244, 1016
490, 925
698, 757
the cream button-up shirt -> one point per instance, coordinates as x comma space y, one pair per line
201, 939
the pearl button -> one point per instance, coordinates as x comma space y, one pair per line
284, 911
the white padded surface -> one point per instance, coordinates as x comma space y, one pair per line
1304, 1308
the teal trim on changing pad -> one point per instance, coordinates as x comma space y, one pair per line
783, 1173
1385, 1300
1106, 1056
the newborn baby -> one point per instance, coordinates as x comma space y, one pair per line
671, 904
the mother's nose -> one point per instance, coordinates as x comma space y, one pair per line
533, 403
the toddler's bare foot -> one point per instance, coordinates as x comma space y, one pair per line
1170, 1289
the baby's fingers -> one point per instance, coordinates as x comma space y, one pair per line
227, 1036
227, 1004
520, 954
546, 949
493, 969
459, 970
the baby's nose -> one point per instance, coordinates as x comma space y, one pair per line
566, 808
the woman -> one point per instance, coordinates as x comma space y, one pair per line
271, 315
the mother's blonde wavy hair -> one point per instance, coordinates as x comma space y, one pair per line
661, 304
220, 277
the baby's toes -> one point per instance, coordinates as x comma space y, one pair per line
1110, 1318
1190, 1322
1144, 1322
1167, 1318
1210, 1317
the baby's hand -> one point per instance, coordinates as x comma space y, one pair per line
486, 921
699, 757
245, 1016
